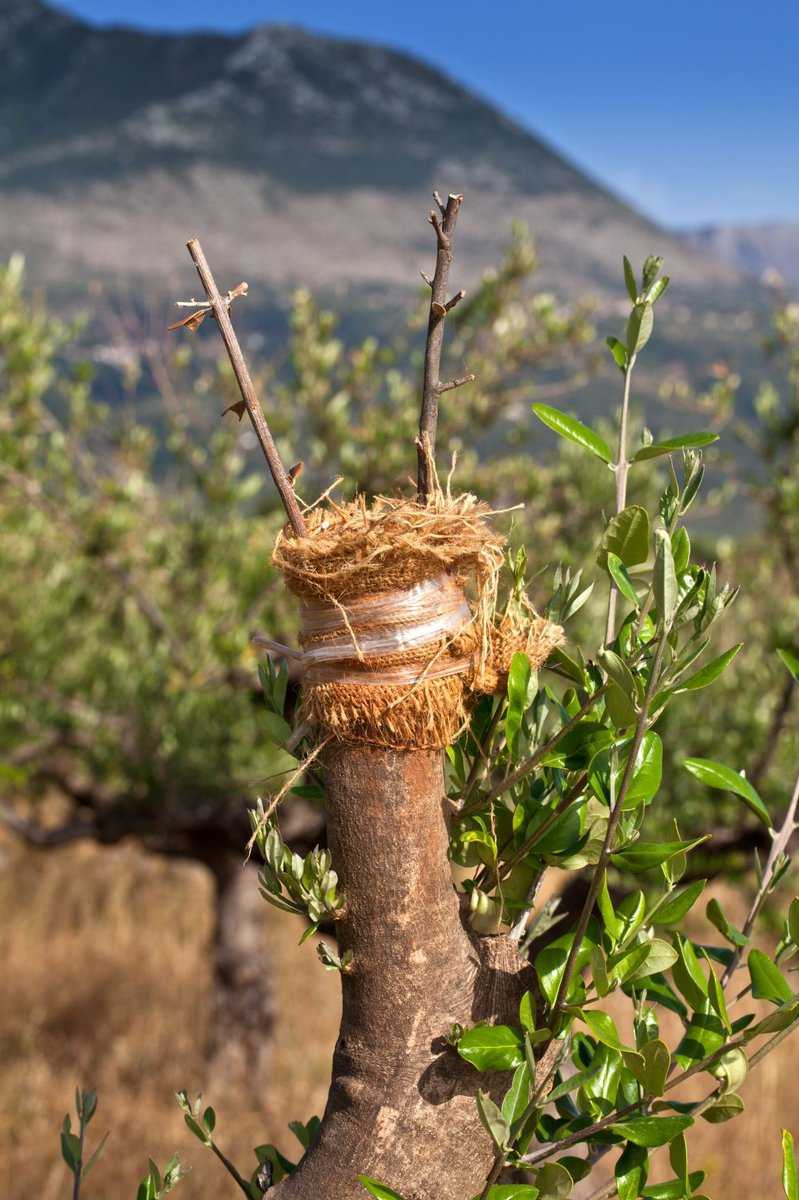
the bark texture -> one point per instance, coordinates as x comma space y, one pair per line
401, 1105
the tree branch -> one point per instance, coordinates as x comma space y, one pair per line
444, 226
247, 389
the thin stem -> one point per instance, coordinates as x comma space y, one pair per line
613, 822
572, 1140
229, 1167
778, 847
247, 389
520, 928
528, 766
79, 1168
444, 226
621, 468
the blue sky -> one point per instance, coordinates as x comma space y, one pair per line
690, 109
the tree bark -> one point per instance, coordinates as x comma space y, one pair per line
401, 1106
240, 1053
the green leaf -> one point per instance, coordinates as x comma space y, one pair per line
629, 280
686, 441
660, 956
553, 1182
715, 914
492, 1048
512, 1191
620, 576
619, 352
704, 1035
639, 327
515, 1099
709, 673
674, 1189
681, 549
724, 1109
688, 974
651, 1066
527, 1012
574, 430
652, 265
631, 1171
377, 1189
643, 856
95, 1154
793, 922
768, 982
493, 1120
657, 289
675, 906
627, 536
732, 1069
652, 1131
624, 964
521, 680
717, 775
603, 1028
551, 961
70, 1150
790, 1182
791, 662
678, 1157
196, 1129
647, 773
665, 578
617, 670
277, 728
775, 1022
620, 708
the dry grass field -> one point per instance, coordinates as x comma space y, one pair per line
105, 982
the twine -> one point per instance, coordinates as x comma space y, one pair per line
398, 625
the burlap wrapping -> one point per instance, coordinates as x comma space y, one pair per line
398, 625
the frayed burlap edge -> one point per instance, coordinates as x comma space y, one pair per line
354, 550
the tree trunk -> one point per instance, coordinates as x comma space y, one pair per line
243, 1018
401, 1106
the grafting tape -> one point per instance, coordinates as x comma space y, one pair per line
401, 621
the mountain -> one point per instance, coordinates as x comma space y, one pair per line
756, 249
297, 158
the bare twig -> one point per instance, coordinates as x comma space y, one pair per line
219, 307
456, 383
778, 847
444, 225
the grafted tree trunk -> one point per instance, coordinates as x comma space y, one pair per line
401, 1105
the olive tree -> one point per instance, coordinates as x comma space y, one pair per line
478, 1056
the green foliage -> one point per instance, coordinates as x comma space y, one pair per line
574, 775
154, 1186
272, 1165
378, 1190
305, 885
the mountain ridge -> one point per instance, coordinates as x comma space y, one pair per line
318, 152
761, 248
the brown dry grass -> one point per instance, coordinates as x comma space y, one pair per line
105, 981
